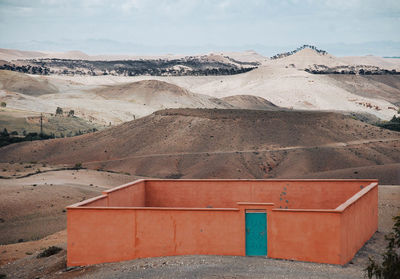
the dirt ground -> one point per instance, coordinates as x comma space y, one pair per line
19, 260
34, 207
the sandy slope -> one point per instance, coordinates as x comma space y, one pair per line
384, 63
25, 84
285, 87
104, 104
250, 102
276, 81
158, 95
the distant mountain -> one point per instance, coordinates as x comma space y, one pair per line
100, 46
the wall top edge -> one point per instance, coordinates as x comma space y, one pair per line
151, 208
266, 180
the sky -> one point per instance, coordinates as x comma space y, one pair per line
191, 26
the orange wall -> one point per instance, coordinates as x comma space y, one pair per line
125, 229
99, 201
132, 194
305, 236
99, 235
221, 194
359, 222
127, 195
109, 235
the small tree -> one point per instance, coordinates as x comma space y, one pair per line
3, 104
390, 267
5, 133
395, 119
59, 111
71, 113
78, 166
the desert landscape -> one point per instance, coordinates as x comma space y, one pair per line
276, 121
189, 94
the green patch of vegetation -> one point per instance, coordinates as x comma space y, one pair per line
393, 124
52, 250
390, 266
78, 166
6, 138
28, 128
174, 176
3, 104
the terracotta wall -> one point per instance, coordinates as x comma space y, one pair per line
99, 201
99, 235
109, 235
128, 195
105, 229
305, 236
359, 221
224, 194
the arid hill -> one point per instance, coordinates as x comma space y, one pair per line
211, 143
250, 102
21, 83
158, 94
307, 57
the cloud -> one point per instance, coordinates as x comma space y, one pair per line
191, 22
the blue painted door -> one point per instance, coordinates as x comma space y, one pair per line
256, 234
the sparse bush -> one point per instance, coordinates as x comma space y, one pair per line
71, 113
59, 111
52, 250
78, 166
393, 124
5, 133
3, 104
390, 267
174, 176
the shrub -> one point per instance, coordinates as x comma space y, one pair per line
390, 267
78, 166
3, 104
52, 250
59, 111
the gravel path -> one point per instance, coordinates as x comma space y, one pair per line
219, 267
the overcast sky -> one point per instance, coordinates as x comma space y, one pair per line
189, 24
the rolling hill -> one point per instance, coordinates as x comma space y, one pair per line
212, 143
250, 102
158, 95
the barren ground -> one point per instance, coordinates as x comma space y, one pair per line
202, 143
34, 207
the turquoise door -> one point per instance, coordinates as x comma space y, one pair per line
256, 234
